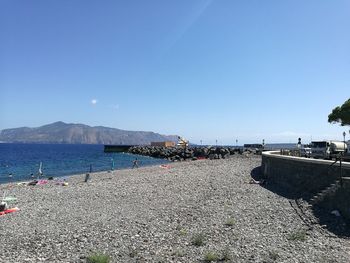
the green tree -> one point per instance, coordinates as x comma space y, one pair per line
341, 114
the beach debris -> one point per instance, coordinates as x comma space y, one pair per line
4, 209
3, 206
32, 183
9, 199
42, 182
164, 166
261, 182
61, 181
6, 199
336, 213
9, 210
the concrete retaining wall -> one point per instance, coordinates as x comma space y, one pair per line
302, 175
306, 177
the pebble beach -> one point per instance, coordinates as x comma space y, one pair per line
190, 211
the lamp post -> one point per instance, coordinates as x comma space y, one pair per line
299, 147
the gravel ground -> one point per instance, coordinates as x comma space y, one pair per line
153, 214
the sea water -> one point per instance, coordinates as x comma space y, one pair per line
20, 162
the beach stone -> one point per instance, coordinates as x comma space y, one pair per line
152, 214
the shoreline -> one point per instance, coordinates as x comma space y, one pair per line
152, 213
45, 177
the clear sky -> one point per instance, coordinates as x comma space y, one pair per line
207, 70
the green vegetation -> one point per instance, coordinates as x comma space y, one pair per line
341, 114
210, 257
198, 240
98, 258
299, 235
182, 232
179, 253
230, 222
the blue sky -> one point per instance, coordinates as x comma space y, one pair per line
207, 70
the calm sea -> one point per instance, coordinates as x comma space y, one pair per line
21, 161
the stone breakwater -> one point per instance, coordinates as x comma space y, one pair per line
154, 214
180, 154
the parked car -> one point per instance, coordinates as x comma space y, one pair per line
305, 152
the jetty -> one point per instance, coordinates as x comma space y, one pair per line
117, 148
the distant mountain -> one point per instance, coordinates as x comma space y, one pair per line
60, 132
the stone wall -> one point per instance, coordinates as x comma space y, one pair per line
302, 175
306, 177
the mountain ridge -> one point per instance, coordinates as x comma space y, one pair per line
77, 133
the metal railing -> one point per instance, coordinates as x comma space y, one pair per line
339, 157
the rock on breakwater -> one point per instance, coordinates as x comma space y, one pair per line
179, 153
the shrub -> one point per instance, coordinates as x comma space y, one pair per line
299, 235
98, 258
182, 232
211, 256
230, 222
179, 253
198, 240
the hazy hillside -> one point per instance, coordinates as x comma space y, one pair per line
60, 132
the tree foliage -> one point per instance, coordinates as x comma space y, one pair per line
341, 114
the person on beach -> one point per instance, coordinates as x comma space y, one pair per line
135, 163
